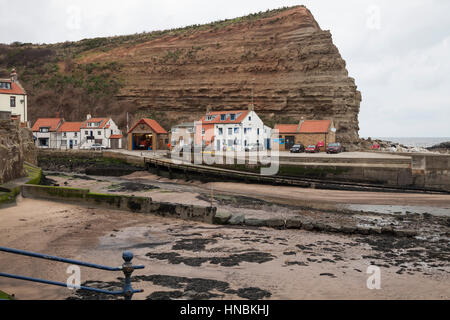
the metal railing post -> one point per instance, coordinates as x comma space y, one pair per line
127, 269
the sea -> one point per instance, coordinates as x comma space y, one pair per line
415, 142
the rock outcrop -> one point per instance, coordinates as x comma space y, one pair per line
16, 146
289, 63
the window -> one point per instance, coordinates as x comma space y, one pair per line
5, 85
99, 133
220, 131
44, 129
249, 118
232, 117
76, 134
236, 130
258, 131
12, 102
86, 132
230, 131
64, 135
223, 117
75, 142
203, 132
111, 132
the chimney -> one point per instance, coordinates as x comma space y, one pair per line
208, 109
13, 75
300, 124
251, 107
88, 117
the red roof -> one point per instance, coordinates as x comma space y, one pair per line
309, 126
287, 128
154, 125
116, 136
102, 122
15, 88
242, 114
70, 127
315, 126
51, 123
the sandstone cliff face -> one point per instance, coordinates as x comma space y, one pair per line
291, 64
16, 146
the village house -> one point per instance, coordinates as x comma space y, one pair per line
309, 132
147, 134
232, 130
13, 99
100, 131
68, 135
55, 133
45, 132
182, 134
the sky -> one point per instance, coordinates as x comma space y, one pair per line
397, 51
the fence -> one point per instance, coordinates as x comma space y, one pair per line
127, 268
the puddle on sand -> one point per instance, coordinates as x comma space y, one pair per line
405, 210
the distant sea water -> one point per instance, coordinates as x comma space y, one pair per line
415, 142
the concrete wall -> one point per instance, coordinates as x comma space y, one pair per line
431, 170
120, 202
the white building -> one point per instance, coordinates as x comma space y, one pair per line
55, 133
68, 135
233, 130
100, 131
45, 132
13, 98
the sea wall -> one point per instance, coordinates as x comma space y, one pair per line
120, 202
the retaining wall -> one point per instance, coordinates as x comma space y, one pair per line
120, 202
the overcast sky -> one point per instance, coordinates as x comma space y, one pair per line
398, 51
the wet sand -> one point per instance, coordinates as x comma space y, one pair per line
186, 260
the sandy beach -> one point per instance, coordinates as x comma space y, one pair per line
186, 260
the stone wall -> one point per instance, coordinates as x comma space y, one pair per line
16, 146
121, 202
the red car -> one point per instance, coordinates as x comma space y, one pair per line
312, 149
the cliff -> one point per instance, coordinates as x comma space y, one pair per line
289, 63
16, 146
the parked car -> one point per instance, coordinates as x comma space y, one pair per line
97, 146
298, 148
252, 147
312, 149
334, 148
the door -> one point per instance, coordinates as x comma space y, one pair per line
290, 141
71, 144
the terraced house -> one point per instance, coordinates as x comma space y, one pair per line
55, 133
13, 98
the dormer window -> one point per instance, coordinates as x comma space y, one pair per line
5, 85
232, 117
223, 117
44, 129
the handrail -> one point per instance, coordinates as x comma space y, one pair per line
127, 268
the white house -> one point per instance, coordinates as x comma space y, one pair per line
233, 130
100, 131
45, 132
68, 135
13, 98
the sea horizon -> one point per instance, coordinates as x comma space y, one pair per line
422, 142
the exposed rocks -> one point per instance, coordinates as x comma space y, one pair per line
237, 220
16, 147
222, 218
442, 147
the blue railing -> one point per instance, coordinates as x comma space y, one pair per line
127, 268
